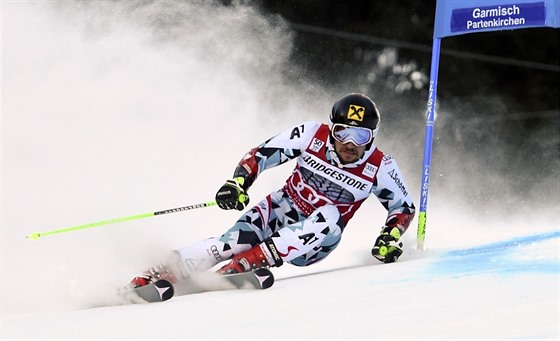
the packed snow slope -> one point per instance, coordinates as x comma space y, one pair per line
111, 109
503, 290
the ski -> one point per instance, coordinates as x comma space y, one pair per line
159, 291
162, 290
257, 279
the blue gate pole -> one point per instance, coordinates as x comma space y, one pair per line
430, 118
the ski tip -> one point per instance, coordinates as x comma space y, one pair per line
265, 276
165, 289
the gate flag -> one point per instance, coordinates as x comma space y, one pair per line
455, 17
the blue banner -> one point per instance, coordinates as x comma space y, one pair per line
454, 17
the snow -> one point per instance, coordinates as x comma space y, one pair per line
106, 115
435, 295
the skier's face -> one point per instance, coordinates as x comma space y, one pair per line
349, 152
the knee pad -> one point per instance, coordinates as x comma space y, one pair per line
306, 237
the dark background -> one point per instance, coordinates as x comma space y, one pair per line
498, 92
528, 88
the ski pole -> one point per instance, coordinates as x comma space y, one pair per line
36, 235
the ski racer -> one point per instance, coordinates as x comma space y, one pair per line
338, 168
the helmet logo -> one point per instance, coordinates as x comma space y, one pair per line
355, 112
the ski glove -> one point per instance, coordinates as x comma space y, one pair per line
387, 247
232, 195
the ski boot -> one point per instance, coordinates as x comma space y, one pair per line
259, 256
153, 274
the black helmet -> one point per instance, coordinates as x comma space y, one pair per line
356, 110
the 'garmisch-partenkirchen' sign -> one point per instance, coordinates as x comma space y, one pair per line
454, 17
502, 17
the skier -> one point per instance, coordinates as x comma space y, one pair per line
338, 168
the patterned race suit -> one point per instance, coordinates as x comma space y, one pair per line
306, 217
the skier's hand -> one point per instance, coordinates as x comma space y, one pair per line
387, 247
232, 195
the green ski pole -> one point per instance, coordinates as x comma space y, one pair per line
36, 235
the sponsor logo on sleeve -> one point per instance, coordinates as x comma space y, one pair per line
387, 159
395, 176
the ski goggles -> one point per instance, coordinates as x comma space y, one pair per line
357, 135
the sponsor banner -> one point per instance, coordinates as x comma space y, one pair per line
461, 17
